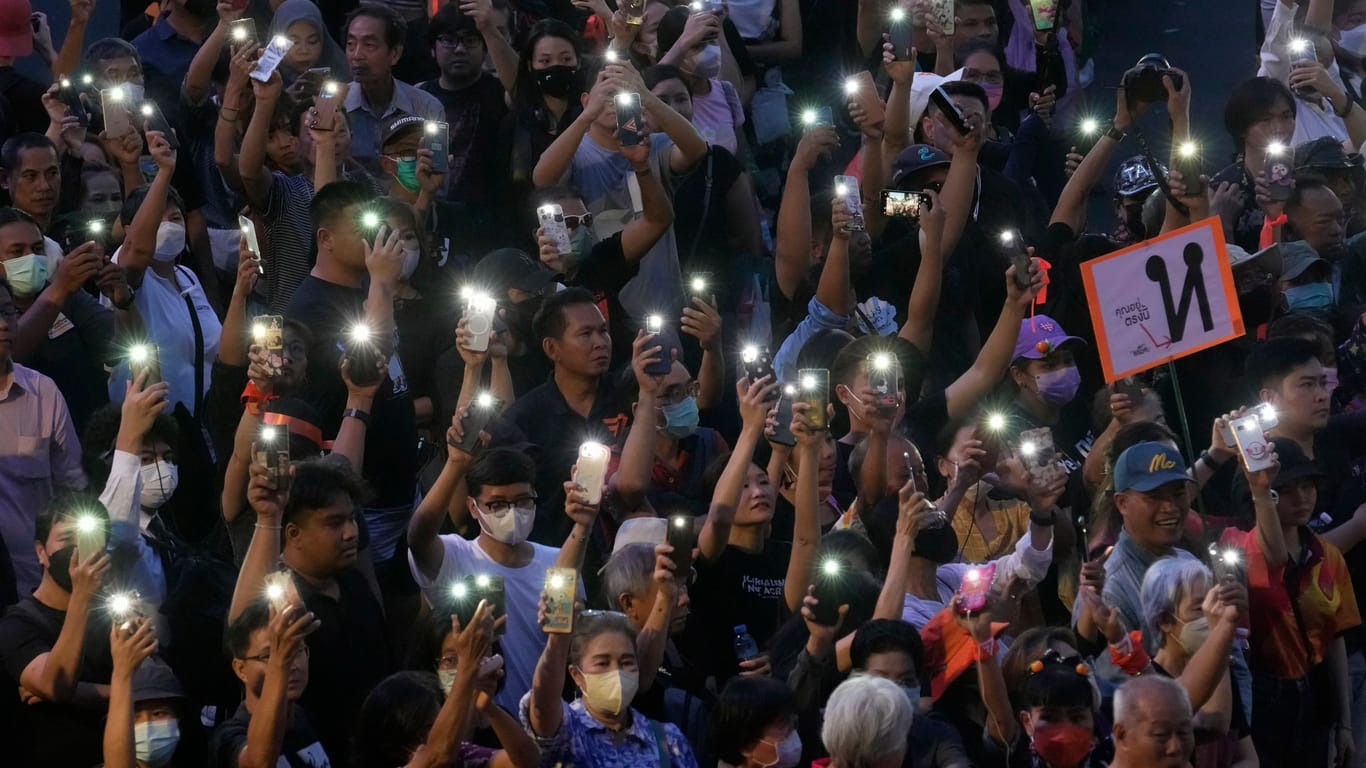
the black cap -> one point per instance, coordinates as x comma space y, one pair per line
398, 124
1295, 466
510, 268
914, 159
1325, 153
154, 680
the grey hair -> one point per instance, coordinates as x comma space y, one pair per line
1164, 585
1135, 689
866, 719
629, 571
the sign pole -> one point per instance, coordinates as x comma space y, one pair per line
1185, 427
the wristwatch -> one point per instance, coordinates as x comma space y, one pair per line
1049, 518
357, 414
1114, 133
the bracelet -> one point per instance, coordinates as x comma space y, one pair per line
987, 649
268, 527
1209, 459
1050, 520
358, 415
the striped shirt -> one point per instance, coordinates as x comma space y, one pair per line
289, 246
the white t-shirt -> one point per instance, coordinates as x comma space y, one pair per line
1312, 120
523, 640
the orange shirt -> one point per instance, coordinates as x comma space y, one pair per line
1322, 594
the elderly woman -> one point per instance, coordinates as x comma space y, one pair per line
866, 722
1189, 623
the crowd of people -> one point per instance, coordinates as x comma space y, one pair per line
522, 383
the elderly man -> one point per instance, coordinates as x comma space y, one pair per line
866, 722
1152, 724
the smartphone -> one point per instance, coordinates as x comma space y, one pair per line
813, 386
436, 138
756, 362
830, 575
126, 608
1278, 173
1229, 564
242, 32
489, 589
1302, 50
269, 332
942, 12
884, 377
1252, 443
976, 585
316, 77
271, 58
1088, 133
1044, 11
682, 536
479, 311
1129, 386
116, 103
325, 103
248, 228
271, 450
862, 90
360, 349
818, 116
899, 33
940, 98
699, 287
905, 205
154, 120
629, 129
634, 11
1188, 163
1039, 455
847, 189
1012, 243
654, 325
1266, 419
70, 94
560, 584
144, 358
92, 534
551, 218
590, 472
482, 410
782, 433
992, 432
76, 236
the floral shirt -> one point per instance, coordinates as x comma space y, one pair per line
583, 741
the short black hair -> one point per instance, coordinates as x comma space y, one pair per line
10, 215
67, 505
450, 20
500, 466
395, 28
1274, 359
107, 48
331, 202
1304, 326
237, 635
102, 429
659, 73
395, 718
134, 200
317, 482
1057, 684
746, 706
1305, 182
16, 144
888, 636
550, 322
1251, 100
971, 90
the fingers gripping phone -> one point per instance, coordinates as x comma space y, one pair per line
481, 411
682, 536
814, 390
940, 99
630, 129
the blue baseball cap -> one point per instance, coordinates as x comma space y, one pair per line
1039, 336
1146, 466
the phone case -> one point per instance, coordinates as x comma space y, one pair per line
900, 36
942, 12
326, 105
489, 589
682, 536
831, 575
1044, 11
71, 97
478, 417
560, 584
145, 357
885, 381
813, 386
242, 32
941, 99
669, 341
1041, 461
1278, 176
976, 586
782, 433
271, 58
757, 363
364, 359
1191, 170
847, 188
271, 451
154, 120
629, 128
479, 311
590, 473
1252, 443
271, 338
1229, 564
864, 92
115, 103
1266, 418
823, 116
551, 218
92, 541
700, 286
634, 11
1012, 243
436, 138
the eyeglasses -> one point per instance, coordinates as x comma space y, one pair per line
465, 41
500, 508
680, 392
264, 658
571, 221
446, 662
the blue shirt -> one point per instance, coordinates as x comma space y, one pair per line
818, 318
366, 118
583, 741
166, 57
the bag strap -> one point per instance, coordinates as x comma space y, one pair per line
706, 206
660, 746
198, 348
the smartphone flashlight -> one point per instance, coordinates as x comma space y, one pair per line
654, 323
369, 220
749, 354
1090, 126
482, 581
557, 581
117, 93
431, 127
87, 524
973, 576
460, 590
809, 382
851, 86
239, 34
1266, 412
258, 332
611, 56
138, 353
275, 588
1299, 45
360, 332
808, 117
1028, 448
830, 567
1188, 149
485, 400
698, 284
1007, 237
120, 604
882, 361
1275, 148
280, 41
66, 83
1230, 557
330, 87
898, 15
996, 422
623, 99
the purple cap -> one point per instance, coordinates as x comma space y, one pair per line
1039, 336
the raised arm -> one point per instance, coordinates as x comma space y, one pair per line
232, 344
929, 279
991, 363
350, 441
266, 731
1071, 207
632, 478
576, 508
199, 78
1269, 533
82, 264
961, 183
1001, 724
754, 399
656, 212
251, 162
806, 533
1224, 606
689, 148
546, 710
230, 116
129, 648
263, 553
897, 131
792, 239
54, 676
652, 638
500, 52
472, 644
140, 239
703, 321
834, 289
69, 57
556, 161
424, 528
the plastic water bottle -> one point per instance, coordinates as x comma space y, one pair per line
745, 647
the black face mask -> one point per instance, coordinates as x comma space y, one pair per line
59, 567
938, 545
557, 81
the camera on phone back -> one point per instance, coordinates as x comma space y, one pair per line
1143, 83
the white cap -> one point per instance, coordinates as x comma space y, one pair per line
921, 85
641, 530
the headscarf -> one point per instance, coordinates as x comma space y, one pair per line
332, 55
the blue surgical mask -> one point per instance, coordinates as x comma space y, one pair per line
1314, 298
406, 174
27, 274
155, 741
583, 240
680, 419
708, 62
1057, 388
913, 695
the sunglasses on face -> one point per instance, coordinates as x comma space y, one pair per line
574, 222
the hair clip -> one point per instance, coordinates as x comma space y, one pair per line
1044, 346
1083, 670
1036, 666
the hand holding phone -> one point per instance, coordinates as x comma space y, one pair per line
559, 600
975, 588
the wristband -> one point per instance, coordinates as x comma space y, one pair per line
358, 415
1129, 656
1209, 459
987, 649
253, 398
1114, 133
1035, 519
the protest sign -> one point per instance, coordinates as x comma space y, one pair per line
1162, 299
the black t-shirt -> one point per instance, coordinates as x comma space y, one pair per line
474, 114
347, 656
528, 371
605, 273
329, 310
934, 743
1340, 451
700, 218
300, 747
78, 346
25, 99
739, 588
426, 328
53, 734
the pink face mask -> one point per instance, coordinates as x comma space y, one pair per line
994, 93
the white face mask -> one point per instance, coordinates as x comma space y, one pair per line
170, 241
447, 680
512, 528
411, 256
789, 751
159, 481
610, 692
155, 741
708, 64
1354, 40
